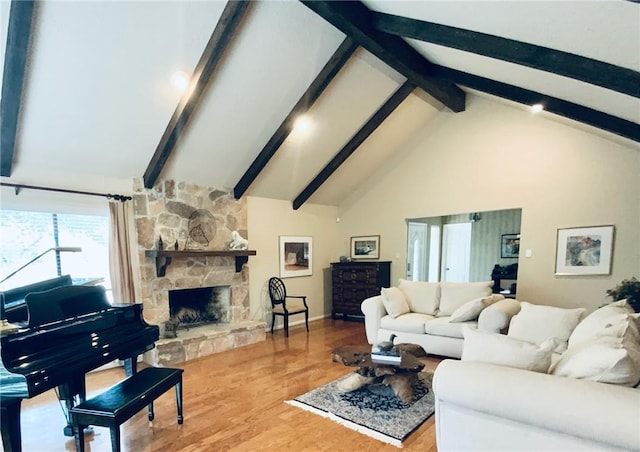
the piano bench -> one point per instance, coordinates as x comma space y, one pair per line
120, 402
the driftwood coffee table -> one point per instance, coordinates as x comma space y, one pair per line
400, 377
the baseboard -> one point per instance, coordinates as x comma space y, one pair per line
280, 325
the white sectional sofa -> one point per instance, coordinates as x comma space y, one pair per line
487, 407
432, 314
559, 380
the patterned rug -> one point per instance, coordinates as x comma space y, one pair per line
373, 409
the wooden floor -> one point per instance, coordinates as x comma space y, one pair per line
233, 401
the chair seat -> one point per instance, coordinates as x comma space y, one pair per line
293, 307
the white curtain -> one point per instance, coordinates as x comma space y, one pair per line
120, 263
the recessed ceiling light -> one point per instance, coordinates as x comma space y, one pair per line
180, 80
537, 108
302, 124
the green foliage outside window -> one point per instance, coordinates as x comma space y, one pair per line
24, 235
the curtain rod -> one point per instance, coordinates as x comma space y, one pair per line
18, 187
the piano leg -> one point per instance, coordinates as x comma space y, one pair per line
68, 392
130, 366
77, 387
10, 420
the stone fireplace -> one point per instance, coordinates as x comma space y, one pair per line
164, 217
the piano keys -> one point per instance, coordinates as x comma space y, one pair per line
71, 331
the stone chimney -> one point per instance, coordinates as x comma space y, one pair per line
188, 216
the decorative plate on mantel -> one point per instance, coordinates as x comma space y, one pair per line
202, 229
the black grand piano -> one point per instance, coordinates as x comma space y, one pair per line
70, 331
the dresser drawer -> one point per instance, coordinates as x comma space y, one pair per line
355, 276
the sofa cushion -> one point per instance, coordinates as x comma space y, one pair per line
503, 350
442, 326
613, 320
606, 360
394, 301
537, 323
472, 309
423, 297
453, 295
406, 323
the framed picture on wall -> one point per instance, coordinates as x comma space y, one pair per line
295, 256
584, 251
365, 247
510, 245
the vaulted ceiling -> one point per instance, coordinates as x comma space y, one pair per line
87, 94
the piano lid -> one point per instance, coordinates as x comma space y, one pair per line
13, 300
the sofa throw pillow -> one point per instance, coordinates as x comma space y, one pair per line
613, 320
394, 301
422, 297
503, 350
468, 311
606, 360
453, 295
472, 309
537, 323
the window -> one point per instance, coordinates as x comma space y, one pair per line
25, 235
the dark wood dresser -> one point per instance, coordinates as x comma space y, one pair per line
355, 281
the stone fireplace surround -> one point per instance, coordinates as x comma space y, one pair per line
164, 211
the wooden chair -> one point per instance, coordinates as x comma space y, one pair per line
281, 306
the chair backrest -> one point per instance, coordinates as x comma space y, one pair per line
277, 291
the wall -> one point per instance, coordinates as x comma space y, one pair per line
496, 156
267, 220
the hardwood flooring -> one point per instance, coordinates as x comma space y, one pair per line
233, 401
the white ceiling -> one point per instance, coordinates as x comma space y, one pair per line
98, 93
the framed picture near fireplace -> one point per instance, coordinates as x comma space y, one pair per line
295, 256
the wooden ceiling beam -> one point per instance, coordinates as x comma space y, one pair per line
229, 22
18, 36
354, 19
365, 131
580, 113
313, 92
609, 76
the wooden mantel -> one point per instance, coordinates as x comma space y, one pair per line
163, 258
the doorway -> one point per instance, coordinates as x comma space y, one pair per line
456, 252
416, 251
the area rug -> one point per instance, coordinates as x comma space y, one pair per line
373, 409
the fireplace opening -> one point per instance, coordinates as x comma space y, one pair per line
199, 306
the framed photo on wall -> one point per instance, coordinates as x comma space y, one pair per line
295, 256
584, 251
510, 245
365, 247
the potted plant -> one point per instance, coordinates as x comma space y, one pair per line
629, 289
